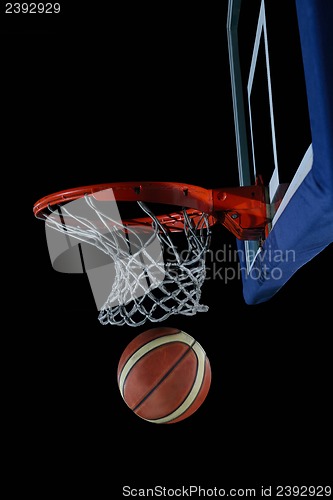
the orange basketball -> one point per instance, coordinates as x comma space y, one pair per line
164, 375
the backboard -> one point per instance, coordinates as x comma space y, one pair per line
281, 79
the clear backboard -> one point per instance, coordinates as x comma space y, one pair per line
281, 79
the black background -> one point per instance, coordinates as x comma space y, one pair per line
144, 94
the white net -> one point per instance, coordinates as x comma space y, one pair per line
147, 276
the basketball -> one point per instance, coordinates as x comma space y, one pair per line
164, 375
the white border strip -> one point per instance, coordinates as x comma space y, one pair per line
262, 28
302, 171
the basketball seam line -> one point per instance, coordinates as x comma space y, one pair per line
120, 376
165, 376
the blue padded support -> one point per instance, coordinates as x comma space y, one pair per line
305, 227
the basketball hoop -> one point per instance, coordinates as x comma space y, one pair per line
137, 269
